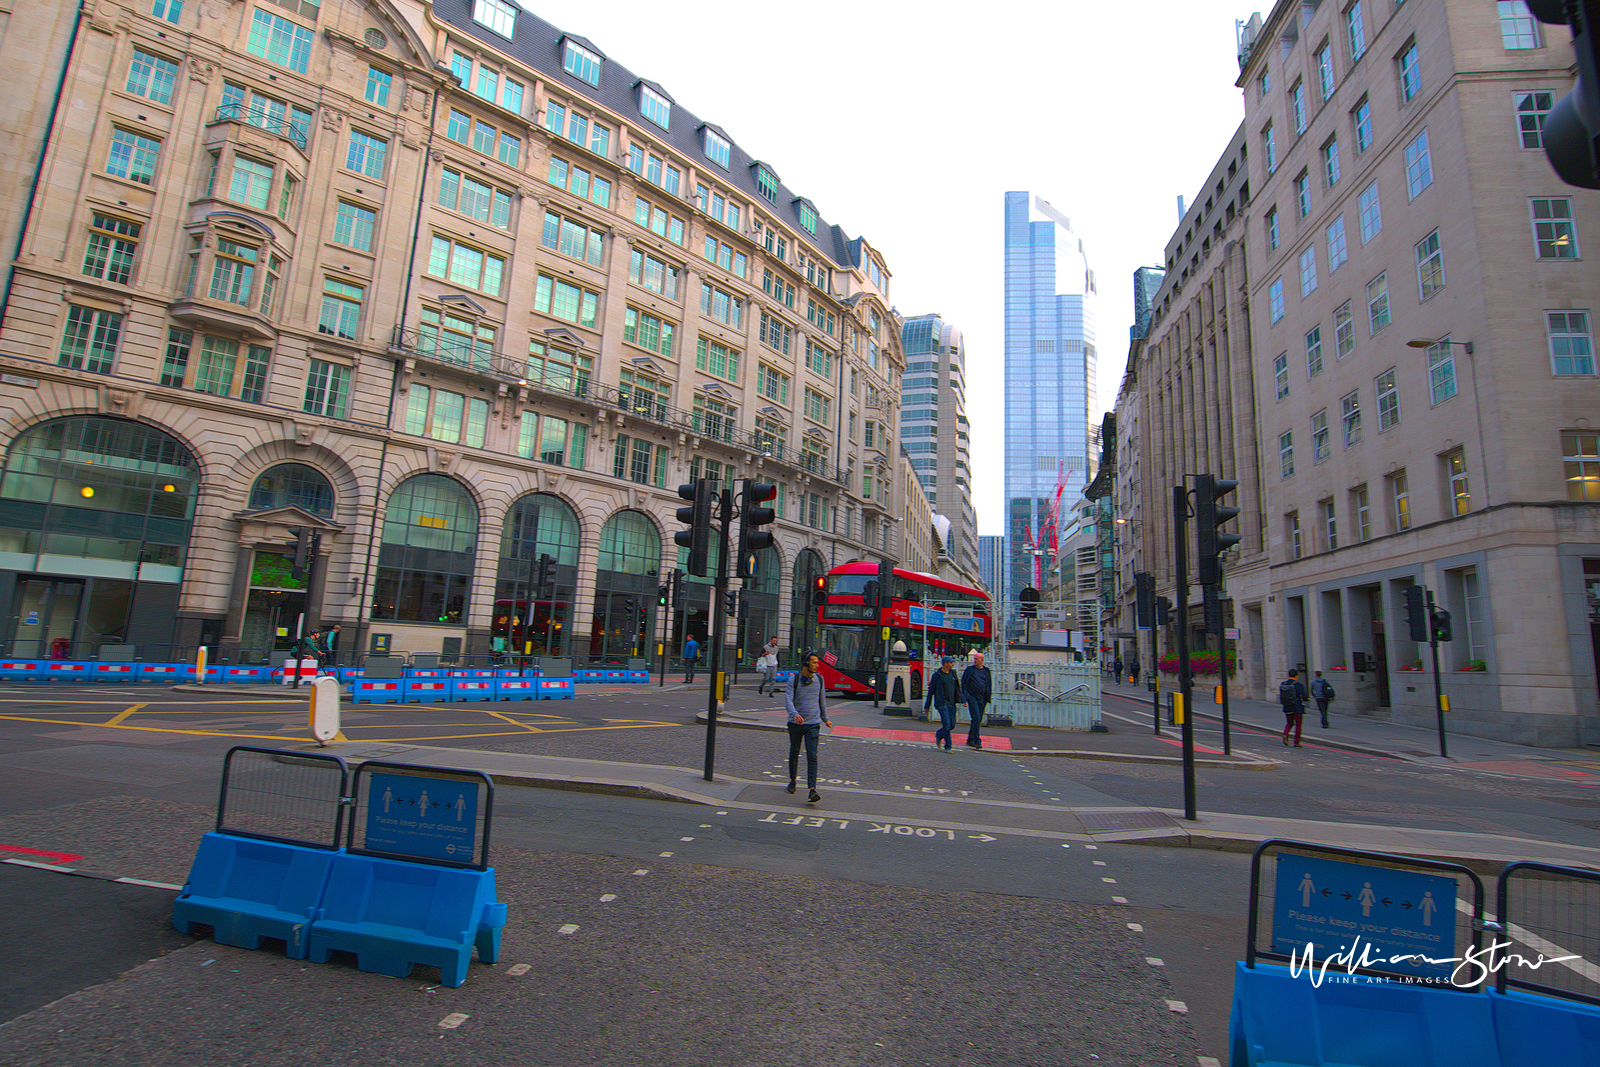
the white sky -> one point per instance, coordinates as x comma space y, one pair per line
907, 125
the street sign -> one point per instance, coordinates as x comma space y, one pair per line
1375, 914
1052, 615
958, 613
432, 818
1230, 633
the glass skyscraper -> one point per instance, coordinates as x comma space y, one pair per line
1051, 398
934, 430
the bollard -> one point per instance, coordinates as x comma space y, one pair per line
200, 666
324, 710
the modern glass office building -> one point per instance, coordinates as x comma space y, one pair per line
1050, 297
934, 430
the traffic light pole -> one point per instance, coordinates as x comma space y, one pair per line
1438, 687
719, 626
1180, 554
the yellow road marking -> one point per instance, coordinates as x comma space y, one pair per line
279, 737
117, 719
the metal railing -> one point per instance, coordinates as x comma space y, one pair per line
705, 425
251, 116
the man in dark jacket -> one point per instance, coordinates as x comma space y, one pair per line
1293, 696
976, 689
944, 690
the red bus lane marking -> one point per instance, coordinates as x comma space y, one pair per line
877, 734
41, 854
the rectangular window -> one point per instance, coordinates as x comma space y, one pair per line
577, 128
171, 10
1286, 453
1351, 407
1297, 545
366, 154
772, 384
1325, 71
1430, 266
1388, 400
1330, 524
1344, 330
1272, 230
655, 107
133, 156
90, 340
647, 331
1400, 501
1532, 110
1571, 345
214, 372
498, 15
820, 317
1581, 454
1378, 302
1371, 211
565, 301
327, 389
1330, 162
819, 359
251, 183
279, 41
1321, 443
1280, 374
724, 307
465, 265
1270, 144
1357, 31
1338, 252
818, 407
654, 274
1275, 299
1302, 193
175, 366
1297, 101
578, 181
1518, 27
775, 333
233, 272
1441, 371
1455, 466
1363, 125
341, 309
717, 147
1363, 510
113, 243
767, 184
717, 359
152, 77
1419, 165
378, 82
1554, 232
1314, 352
579, 62
1308, 271
1410, 72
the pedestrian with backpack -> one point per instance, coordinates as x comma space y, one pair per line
1292, 695
1323, 694
806, 702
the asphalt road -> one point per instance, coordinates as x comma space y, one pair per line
756, 936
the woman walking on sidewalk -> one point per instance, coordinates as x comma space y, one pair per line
807, 705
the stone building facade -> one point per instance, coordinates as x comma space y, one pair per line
437, 284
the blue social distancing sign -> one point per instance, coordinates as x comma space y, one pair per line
1376, 918
430, 818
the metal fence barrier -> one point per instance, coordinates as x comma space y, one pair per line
297, 798
1549, 911
1062, 696
400, 813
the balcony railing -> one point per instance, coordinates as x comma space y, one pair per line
250, 116
643, 406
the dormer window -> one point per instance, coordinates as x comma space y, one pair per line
718, 148
767, 183
808, 217
655, 106
498, 15
580, 62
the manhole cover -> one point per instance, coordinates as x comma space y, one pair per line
1096, 822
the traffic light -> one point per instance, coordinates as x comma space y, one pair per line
1416, 613
546, 582
819, 591
677, 587
697, 538
1163, 611
1208, 515
1441, 625
1144, 601
730, 602
1029, 599
662, 592
305, 545
1571, 133
1213, 609
752, 516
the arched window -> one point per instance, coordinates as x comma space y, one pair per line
537, 525
625, 588
430, 530
802, 613
293, 483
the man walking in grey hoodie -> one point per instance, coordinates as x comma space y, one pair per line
807, 705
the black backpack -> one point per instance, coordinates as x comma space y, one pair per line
1289, 693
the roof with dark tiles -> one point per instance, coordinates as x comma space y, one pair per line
537, 44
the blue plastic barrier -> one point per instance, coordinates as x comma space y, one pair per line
167, 673
378, 690
21, 670
427, 689
555, 689
394, 915
240, 675
1279, 1020
72, 672
1536, 1031
114, 672
470, 689
246, 889
516, 685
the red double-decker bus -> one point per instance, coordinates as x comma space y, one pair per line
934, 618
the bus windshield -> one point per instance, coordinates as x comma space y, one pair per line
849, 648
